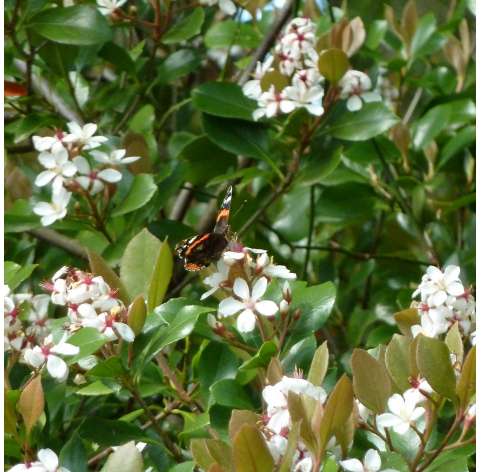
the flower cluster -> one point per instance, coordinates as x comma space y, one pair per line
90, 302
291, 78
47, 462
277, 420
108, 7
71, 165
244, 275
444, 301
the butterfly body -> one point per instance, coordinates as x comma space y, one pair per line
199, 251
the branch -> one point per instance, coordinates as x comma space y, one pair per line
43, 87
57, 239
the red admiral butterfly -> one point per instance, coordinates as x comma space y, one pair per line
199, 251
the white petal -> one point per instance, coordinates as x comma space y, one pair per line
353, 465
57, 367
89, 130
110, 175
69, 169
279, 420
34, 357
44, 178
49, 219
125, 332
274, 397
438, 298
130, 159
227, 7
451, 273
246, 321
388, 420
241, 289
369, 97
100, 156
49, 459
354, 103
455, 289
66, 349
418, 412
47, 160
259, 288
82, 165
43, 208
267, 308
43, 143
401, 428
372, 460
229, 306
396, 403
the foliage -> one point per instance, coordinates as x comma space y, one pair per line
337, 327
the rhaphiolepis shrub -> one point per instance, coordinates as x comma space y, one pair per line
337, 329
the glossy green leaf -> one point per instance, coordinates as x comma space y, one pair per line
371, 120
223, 99
319, 364
405, 319
458, 143
466, 387
227, 392
185, 28
225, 34
430, 125
398, 361
432, 357
178, 64
250, 451
108, 368
73, 455
111, 432
371, 382
15, 274
300, 354
333, 64
261, 358
238, 419
161, 275
126, 458
89, 341
454, 341
82, 25
95, 389
138, 262
137, 314
140, 193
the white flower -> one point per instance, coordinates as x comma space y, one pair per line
47, 462
472, 338
252, 88
49, 143
304, 465
108, 324
309, 77
418, 385
227, 6
58, 168
215, 280
363, 411
434, 321
115, 157
403, 412
276, 398
271, 103
107, 7
265, 266
436, 286
308, 97
56, 210
84, 135
299, 36
288, 63
371, 463
38, 316
48, 353
238, 252
355, 86
277, 445
249, 303
93, 180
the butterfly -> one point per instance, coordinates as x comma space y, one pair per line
199, 251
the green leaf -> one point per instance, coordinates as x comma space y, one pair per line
405, 319
82, 25
250, 451
227, 392
240, 137
137, 314
99, 266
315, 304
95, 389
371, 120
161, 275
199, 155
261, 358
110, 432
216, 362
337, 410
466, 387
422, 42
300, 354
15, 274
432, 358
170, 322
298, 410
459, 142
454, 341
451, 461
333, 64
238, 419
140, 193
73, 455
126, 458
430, 125
393, 460
185, 28
372, 384
398, 361
137, 265
223, 99
319, 365
108, 368
178, 64
183, 467
225, 34
89, 340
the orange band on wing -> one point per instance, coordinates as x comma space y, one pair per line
196, 243
223, 214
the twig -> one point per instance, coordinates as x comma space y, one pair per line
166, 370
412, 106
43, 87
182, 203
312, 196
61, 241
